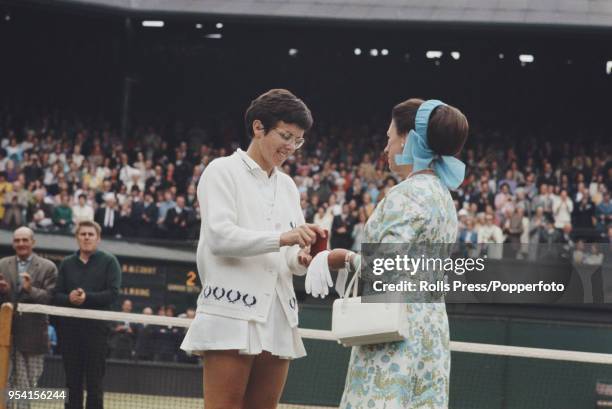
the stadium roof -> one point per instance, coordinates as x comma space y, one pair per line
584, 13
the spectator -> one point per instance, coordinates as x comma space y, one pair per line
484, 198
177, 220
536, 225
164, 206
191, 197
530, 188
342, 229
77, 157
468, 235
40, 212
584, 213
333, 207
82, 211
323, 219
320, 188
167, 338
594, 257
547, 176
90, 278
562, 210
509, 181
107, 216
491, 233
311, 208
15, 205
513, 226
33, 279
523, 202
5, 187
32, 169
368, 206
366, 168
603, 213
145, 215
127, 172
123, 335
62, 214
503, 201
544, 200
145, 339
125, 226
548, 234
355, 192
14, 151
358, 234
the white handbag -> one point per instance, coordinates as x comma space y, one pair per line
356, 323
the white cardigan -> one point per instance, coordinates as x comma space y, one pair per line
239, 260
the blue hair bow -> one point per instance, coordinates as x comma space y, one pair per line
417, 152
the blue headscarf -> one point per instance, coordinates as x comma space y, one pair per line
417, 152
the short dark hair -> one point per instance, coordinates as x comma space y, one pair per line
447, 130
83, 195
274, 106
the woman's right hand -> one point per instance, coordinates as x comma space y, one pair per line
303, 235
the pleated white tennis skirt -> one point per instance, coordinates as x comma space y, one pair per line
214, 332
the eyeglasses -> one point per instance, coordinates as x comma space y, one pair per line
288, 138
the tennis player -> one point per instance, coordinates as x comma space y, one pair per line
253, 240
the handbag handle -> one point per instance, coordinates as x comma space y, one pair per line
353, 284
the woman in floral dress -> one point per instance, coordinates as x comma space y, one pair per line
413, 373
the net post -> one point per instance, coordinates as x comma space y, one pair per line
6, 320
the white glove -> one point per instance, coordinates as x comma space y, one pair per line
318, 277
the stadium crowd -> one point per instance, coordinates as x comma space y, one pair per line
56, 173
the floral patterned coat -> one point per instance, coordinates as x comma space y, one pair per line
413, 373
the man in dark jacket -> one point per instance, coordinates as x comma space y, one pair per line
145, 215
342, 229
31, 279
90, 279
177, 220
108, 216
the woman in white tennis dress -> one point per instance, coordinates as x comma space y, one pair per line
250, 246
